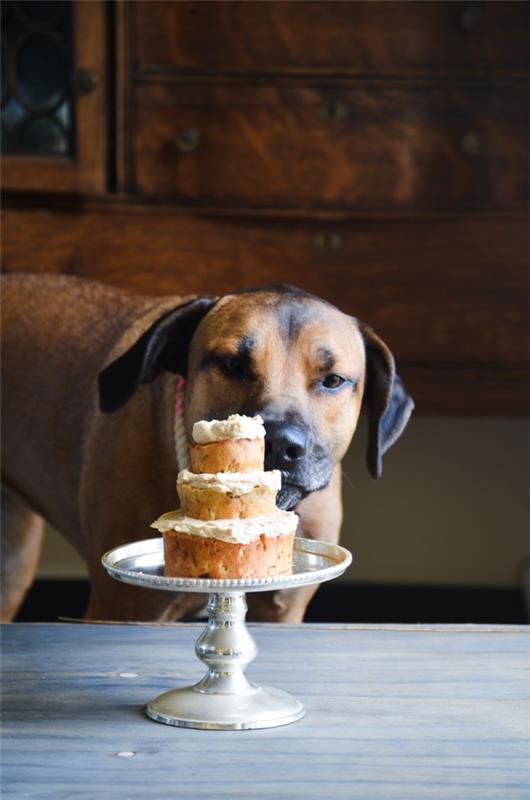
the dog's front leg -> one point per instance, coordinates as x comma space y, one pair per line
320, 518
20, 545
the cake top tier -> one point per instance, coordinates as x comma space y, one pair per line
236, 426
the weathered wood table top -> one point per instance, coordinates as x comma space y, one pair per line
392, 712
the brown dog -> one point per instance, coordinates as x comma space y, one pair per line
101, 467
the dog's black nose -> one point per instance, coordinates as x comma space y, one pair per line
285, 445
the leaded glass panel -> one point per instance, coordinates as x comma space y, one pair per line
37, 69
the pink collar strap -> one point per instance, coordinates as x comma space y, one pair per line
181, 440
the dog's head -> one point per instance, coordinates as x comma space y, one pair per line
296, 360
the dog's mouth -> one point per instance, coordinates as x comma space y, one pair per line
289, 496
297, 486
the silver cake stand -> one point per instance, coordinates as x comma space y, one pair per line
225, 699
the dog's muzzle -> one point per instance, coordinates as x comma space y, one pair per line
304, 467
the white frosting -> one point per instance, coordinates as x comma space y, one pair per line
237, 483
236, 426
240, 531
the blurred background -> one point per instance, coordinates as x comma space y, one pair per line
373, 153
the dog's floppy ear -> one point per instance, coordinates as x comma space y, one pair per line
162, 348
389, 405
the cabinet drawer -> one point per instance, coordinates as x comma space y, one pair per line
351, 37
442, 291
324, 148
448, 294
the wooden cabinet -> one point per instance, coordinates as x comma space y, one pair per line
375, 154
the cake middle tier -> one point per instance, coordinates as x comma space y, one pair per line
228, 495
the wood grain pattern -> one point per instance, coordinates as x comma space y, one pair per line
397, 149
391, 712
351, 37
449, 294
468, 390
401, 277
123, 93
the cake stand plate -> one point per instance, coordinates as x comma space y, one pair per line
225, 699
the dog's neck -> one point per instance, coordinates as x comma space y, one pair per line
181, 440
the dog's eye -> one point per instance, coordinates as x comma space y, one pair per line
333, 381
231, 365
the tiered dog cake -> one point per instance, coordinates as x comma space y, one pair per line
228, 525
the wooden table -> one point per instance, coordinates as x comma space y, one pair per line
392, 712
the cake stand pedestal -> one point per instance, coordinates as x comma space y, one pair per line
224, 699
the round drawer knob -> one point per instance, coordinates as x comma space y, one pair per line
188, 140
328, 241
471, 144
334, 111
84, 81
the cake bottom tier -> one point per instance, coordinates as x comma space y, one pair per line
188, 556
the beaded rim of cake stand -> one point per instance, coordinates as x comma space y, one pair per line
125, 563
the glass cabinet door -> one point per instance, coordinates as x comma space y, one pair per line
53, 95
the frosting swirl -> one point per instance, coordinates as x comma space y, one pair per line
237, 426
236, 531
231, 482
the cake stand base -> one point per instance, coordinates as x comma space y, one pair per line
261, 707
225, 699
